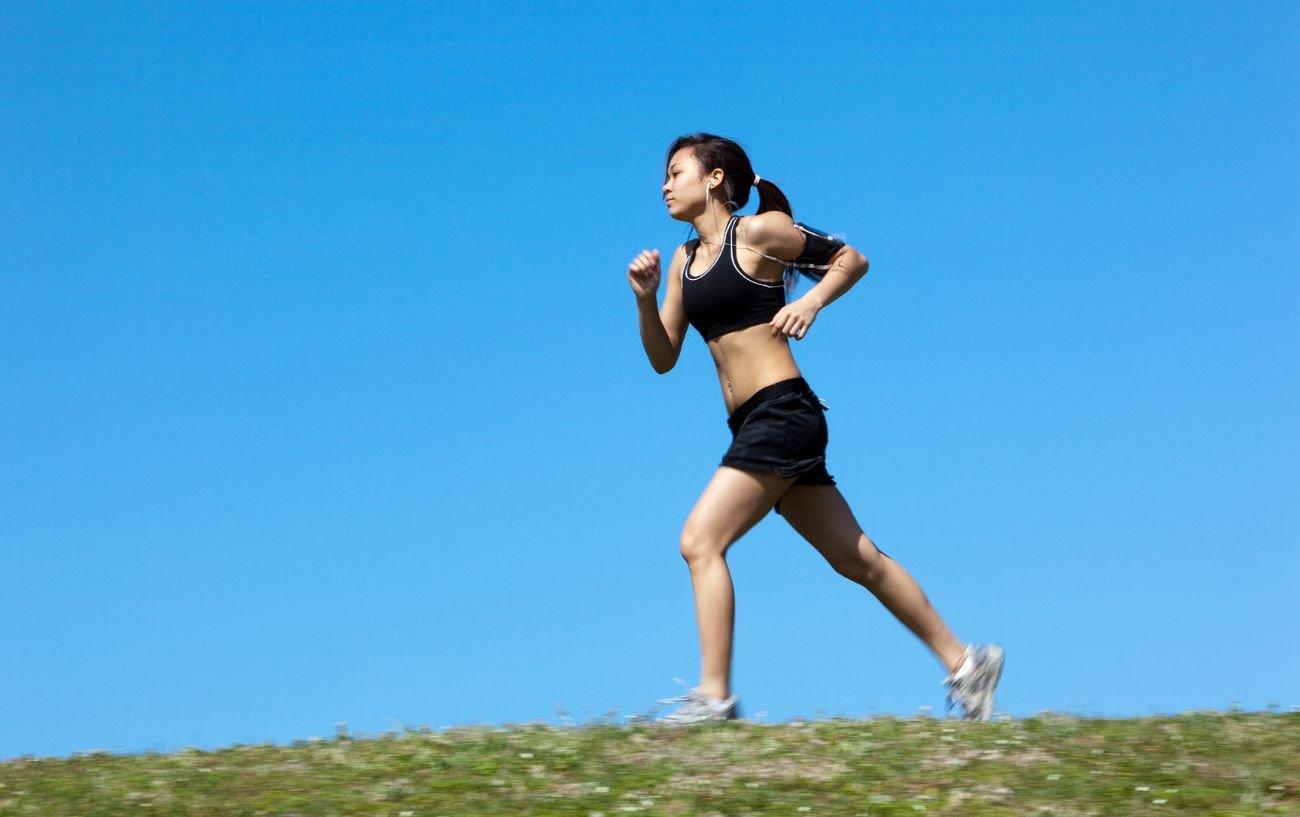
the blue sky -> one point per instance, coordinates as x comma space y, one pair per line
324, 401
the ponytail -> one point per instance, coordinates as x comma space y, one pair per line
770, 197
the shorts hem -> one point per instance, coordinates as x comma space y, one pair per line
785, 472
803, 467
750, 465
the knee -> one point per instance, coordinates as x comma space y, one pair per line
696, 547
867, 565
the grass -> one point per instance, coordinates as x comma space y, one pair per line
1212, 763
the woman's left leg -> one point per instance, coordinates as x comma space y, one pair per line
820, 514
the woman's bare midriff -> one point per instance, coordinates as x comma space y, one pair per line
749, 359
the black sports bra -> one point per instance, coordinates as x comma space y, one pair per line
723, 298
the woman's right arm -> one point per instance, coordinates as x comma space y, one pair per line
662, 330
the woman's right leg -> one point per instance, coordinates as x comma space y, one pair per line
733, 502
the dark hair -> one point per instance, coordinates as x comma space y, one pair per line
713, 151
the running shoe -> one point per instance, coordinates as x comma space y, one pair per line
974, 681
697, 707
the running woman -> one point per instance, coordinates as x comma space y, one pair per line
730, 283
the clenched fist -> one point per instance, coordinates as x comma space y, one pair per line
643, 274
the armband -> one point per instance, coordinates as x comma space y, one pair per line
819, 247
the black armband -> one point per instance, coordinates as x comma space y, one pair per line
819, 247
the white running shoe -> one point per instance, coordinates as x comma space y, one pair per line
974, 681
697, 707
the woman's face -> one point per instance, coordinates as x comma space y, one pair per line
684, 189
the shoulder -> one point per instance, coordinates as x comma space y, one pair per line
772, 232
684, 249
678, 260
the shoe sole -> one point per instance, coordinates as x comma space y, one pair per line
731, 715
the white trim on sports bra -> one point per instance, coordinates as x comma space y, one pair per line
735, 263
730, 230
725, 232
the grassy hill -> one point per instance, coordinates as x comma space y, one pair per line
1234, 763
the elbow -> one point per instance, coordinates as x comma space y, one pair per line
664, 368
854, 262
853, 255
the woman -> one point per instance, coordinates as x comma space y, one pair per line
728, 285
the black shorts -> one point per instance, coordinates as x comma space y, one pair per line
781, 428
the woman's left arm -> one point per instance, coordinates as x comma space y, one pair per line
848, 266
775, 233
795, 318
